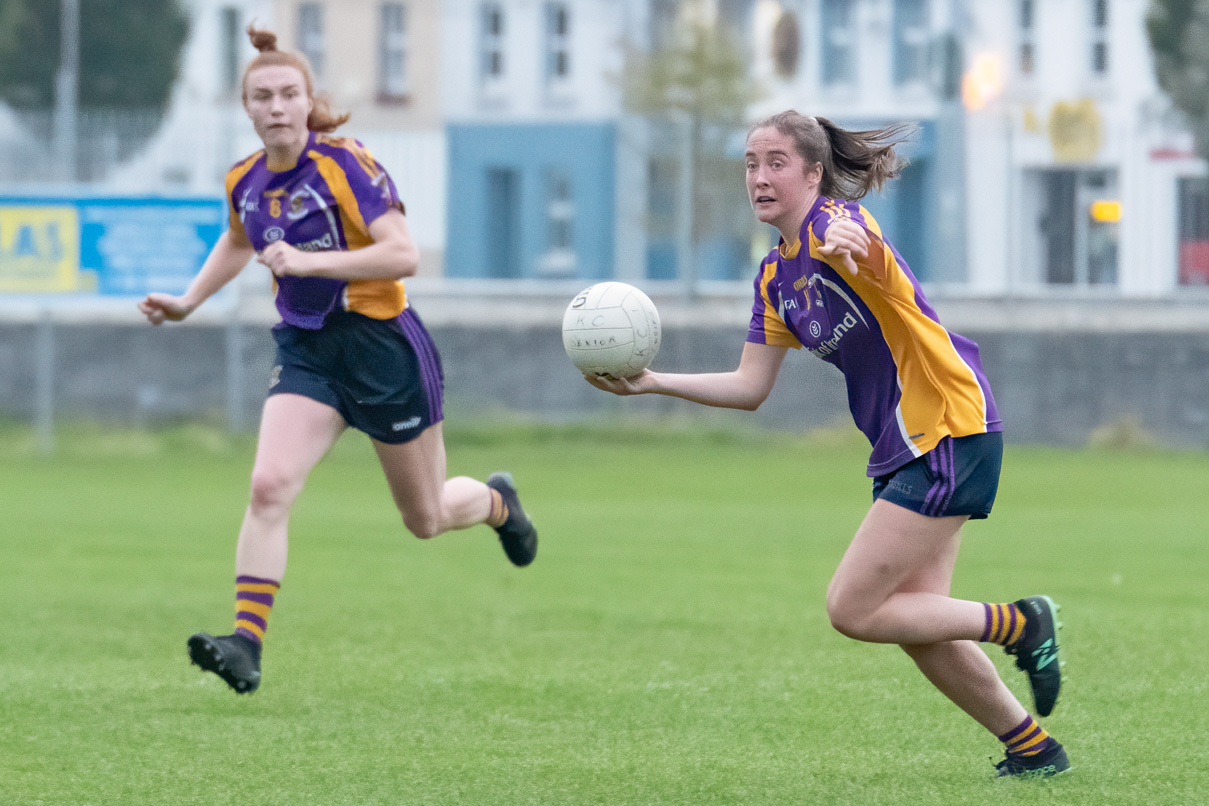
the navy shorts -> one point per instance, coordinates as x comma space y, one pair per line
958, 477
383, 375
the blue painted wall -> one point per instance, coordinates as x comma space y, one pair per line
906, 207
497, 194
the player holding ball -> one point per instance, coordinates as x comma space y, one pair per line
918, 392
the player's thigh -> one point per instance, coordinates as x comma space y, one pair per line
894, 549
295, 433
415, 471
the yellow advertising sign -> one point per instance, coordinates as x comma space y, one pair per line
1105, 211
40, 250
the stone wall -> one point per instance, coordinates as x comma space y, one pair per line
1052, 386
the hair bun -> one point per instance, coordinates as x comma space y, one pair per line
263, 41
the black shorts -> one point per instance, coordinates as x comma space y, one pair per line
383, 375
958, 477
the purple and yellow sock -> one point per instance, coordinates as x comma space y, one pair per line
499, 510
1027, 739
253, 601
1004, 624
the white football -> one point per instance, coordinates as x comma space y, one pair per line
611, 329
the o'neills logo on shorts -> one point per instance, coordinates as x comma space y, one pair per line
406, 425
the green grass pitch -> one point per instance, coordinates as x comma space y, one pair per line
668, 646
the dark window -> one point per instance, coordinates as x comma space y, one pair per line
492, 41
911, 39
1099, 47
1026, 58
392, 52
232, 37
558, 41
839, 42
503, 222
1194, 231
310, 36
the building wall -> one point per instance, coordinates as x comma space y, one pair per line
500, 213
523, 90
1053, 385
1067, 122
351, 36
532, 148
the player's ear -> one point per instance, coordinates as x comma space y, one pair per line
814, 174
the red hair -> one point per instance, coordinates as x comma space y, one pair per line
321, 119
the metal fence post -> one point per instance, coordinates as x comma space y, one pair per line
44, 383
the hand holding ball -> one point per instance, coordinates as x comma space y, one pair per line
611, 330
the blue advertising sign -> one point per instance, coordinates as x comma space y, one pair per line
119, 246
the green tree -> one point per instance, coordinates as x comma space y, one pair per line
698, 86
130, 52
1179, 33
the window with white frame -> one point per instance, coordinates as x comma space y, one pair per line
1099, 37
310, 36
911, 39
559, 257
491, 43
558, 43
1026, 55
839, 42
232, 37
392, 52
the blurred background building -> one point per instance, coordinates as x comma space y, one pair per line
1047, 158
543, 144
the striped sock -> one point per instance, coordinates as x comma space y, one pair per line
253, 601
499, 510
1026, 739
1004, 624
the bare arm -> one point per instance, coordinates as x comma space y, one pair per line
744, 388
391, 256
226, 260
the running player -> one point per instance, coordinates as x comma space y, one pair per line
836, 286
325, 218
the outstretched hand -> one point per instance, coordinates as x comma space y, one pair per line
845, 239
637, 385
160, 308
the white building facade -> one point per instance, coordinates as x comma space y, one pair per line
1048, 160
1079, 176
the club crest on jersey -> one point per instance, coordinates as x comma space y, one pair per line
274, 234
297, 205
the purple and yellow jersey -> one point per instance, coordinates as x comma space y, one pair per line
910, 382
326, 202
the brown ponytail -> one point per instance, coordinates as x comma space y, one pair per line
854, 162
321, 118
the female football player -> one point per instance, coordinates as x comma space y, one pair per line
918, 392
326, 220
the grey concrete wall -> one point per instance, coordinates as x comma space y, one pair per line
1053, 387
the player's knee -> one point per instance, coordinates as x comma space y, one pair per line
846, 618
272, 489
424, 525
